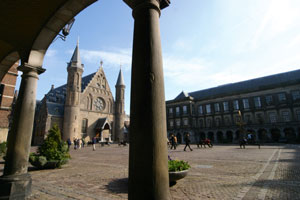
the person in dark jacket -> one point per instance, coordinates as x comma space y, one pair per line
187, 141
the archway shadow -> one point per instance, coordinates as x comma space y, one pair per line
118, 186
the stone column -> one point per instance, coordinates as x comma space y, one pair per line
148, 157
16, 182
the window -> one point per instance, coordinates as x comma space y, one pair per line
171, 123
227, 121
237, 119
84, 125
184, 109
248, 119
257, 102
200, 110
281, 97
246, 103
208, 123
177, 111
201, 123
286, 116
1, 92
235, 104
185, 122
298, 115
217, 107
296, 95
259, 118
269, 100
208, 110
194, 123
272, 117
225, 105
218, 122
177, 122
170, 110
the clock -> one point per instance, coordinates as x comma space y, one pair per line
99, 104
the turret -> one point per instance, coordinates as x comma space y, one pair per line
72, 101
119, 108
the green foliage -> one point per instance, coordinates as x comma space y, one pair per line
178, 165
52, 153
3, 148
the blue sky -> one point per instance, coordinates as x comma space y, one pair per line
205, 43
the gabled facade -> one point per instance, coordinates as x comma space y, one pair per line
269, 110
82, 108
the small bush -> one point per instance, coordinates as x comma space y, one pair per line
52, 153
178, 165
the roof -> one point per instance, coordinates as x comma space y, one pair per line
252, 85
75, 60
120, 81
182, 96
57, 95
55, 109
101, 122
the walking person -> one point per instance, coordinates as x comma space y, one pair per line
69, 143
75, 143
79, 143
187, 142
173, 144
94, 141
83, 142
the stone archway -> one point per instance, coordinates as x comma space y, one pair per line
237, 135
290, 135
262, 135
220, 138
44, 26
275, 134
202, 135
179, 138
229, 136
211, 136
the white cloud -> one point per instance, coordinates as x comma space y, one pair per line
51, 53
294, 42
184, 71
280, 17
113, 58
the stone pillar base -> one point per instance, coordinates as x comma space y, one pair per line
15, 186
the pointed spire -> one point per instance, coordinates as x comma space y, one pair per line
75, 60
101, 64
120, 80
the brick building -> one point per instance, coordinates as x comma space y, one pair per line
269, 108
7, 96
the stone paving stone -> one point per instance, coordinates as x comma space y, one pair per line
222, 172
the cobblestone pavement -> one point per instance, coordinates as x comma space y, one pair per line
221, 172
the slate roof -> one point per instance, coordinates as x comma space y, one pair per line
55, 109
57, 95
100, 123
75, 60
252, 85
182, 96
120, 81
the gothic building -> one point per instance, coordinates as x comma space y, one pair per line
268, 108
82, 108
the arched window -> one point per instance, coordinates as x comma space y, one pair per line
87, 103
90, 102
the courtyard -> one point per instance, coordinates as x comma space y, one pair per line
221, 172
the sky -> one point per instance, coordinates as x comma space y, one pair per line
205, 43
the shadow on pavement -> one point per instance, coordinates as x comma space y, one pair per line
118, 185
